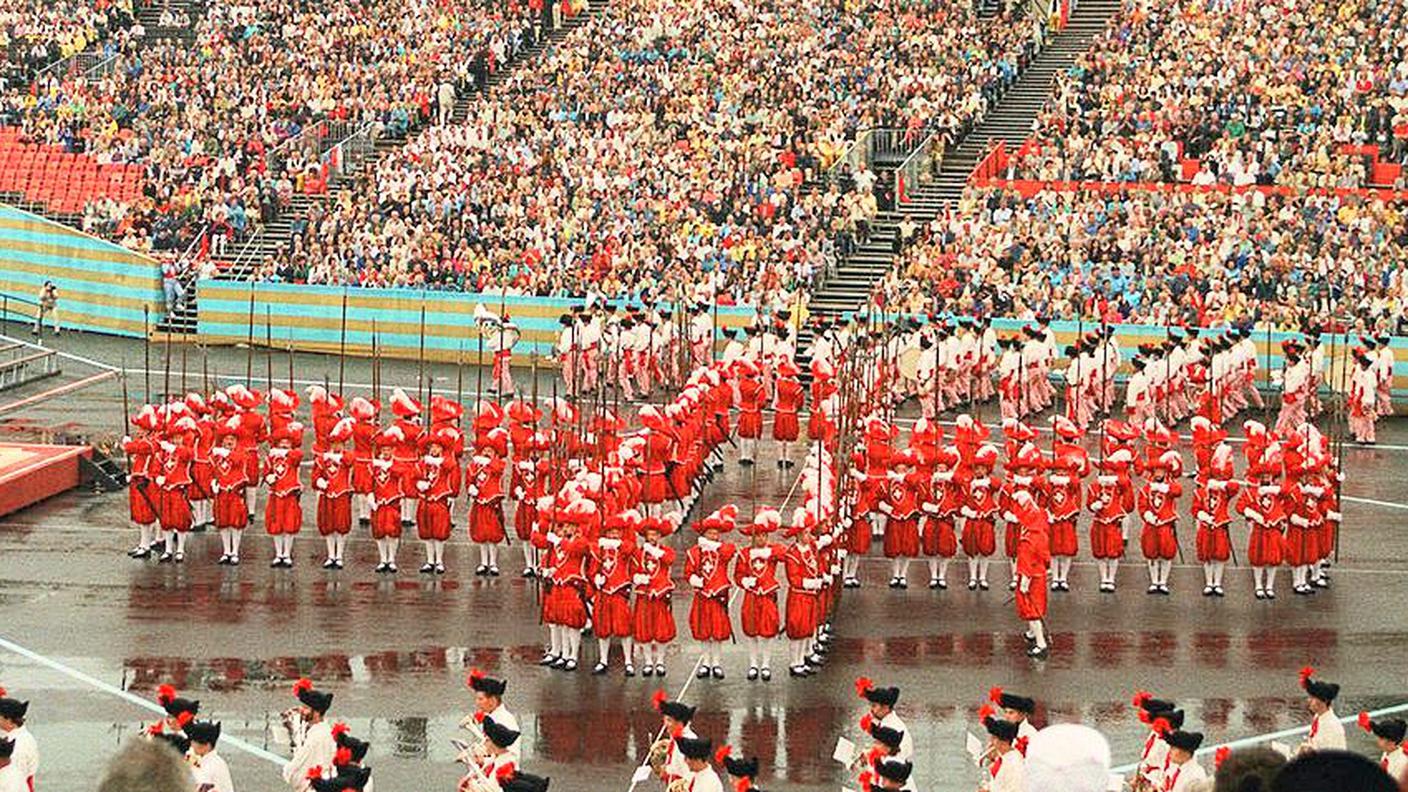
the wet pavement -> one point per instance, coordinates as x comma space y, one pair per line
395, 651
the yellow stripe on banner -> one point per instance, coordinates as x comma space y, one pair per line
102, 280
115, 256
97, 294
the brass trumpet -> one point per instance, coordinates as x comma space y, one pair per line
657, 756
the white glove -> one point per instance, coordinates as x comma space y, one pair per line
1024, 584
825, 540
320, 483
654, 551
696, 581
1204, 517
811, 584
1009, 517
1149, 517
1060, 481
422, 486
518, 493
967, 512
1159, 487
930, 508
553, 538
1332, 515
371, 503
472, 490
214, 488
270, 478
640, 579
161, 479
600, 580
750, 582
1299, 521
126, 439
842, 553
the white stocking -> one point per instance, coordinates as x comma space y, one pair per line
1039, 631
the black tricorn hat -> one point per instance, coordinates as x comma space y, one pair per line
499, 735
480, 682
885, 696
895, 770
741, 768
207, 732
1325, 691
179, 743
12, 709
346, 778
694, 747
316, 700
886, 736
356, 748
1013, 701
1001, 729
1188, 741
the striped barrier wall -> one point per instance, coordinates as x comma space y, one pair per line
103, 287
309, 319
1130, 336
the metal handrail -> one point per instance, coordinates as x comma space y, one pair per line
7, 299
918, 167
234, 271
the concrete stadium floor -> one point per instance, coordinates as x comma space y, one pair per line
395, 651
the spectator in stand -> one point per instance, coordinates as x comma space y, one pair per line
1257, 93
1155, 257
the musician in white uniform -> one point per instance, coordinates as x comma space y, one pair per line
1183, 772
1016, 709
489, 700
25, 758
675, 717
882, 711
314, 745
209, 767
1326, 731
887, 745
1388, 735
10, 778
1005, 771
701, 775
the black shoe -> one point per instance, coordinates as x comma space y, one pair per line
702, 673
329, 564
599, 669
427, 568
439, 569
717, 672
752, 673
1039, 652
766, 674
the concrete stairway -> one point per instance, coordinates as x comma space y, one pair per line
1010, 120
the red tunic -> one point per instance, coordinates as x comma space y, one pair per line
1033, 557
1212, 507
755, 572
1063, 507
941, 510
750, 408
332, 478
1304, 524
386, 493
230, 480
363, 433
1266, 516
786, 404
565, 561
1012, 533
659, 446
653, 620
173, 477
901, 503
526, 486
706, 568
1158, 509
611, 570
979, 510
282, 513
804, 609
1106, 505
438, 483
142, 498
484, 479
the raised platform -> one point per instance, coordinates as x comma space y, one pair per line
30, 472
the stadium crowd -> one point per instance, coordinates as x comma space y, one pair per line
1204, 258
656, 145
1261, 93
208, 119
37, 33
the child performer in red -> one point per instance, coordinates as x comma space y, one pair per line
653, 621
755, 572
946, 495
900, 503
230, 477
437, 475
332, 479
283, 515
1158, 509
1212, 508
980, 508
384, 497
706, 568
1033, 557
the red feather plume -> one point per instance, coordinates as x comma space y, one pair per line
342, 757
986, 711
1162, 726
677, 731
1365, 723
184, 718
302, 685
865, 721
1305, 675
1144, 716
721, 753
657, 698
339, 729
165, 695
479, 716
742, 785
315, 772
1021, 745
1220, 755
505, 772
4, 693
863, 686
156, 728
1141, 697
475, 674
994, 694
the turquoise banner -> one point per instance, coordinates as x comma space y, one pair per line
103, 287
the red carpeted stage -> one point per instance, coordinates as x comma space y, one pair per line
30, 472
